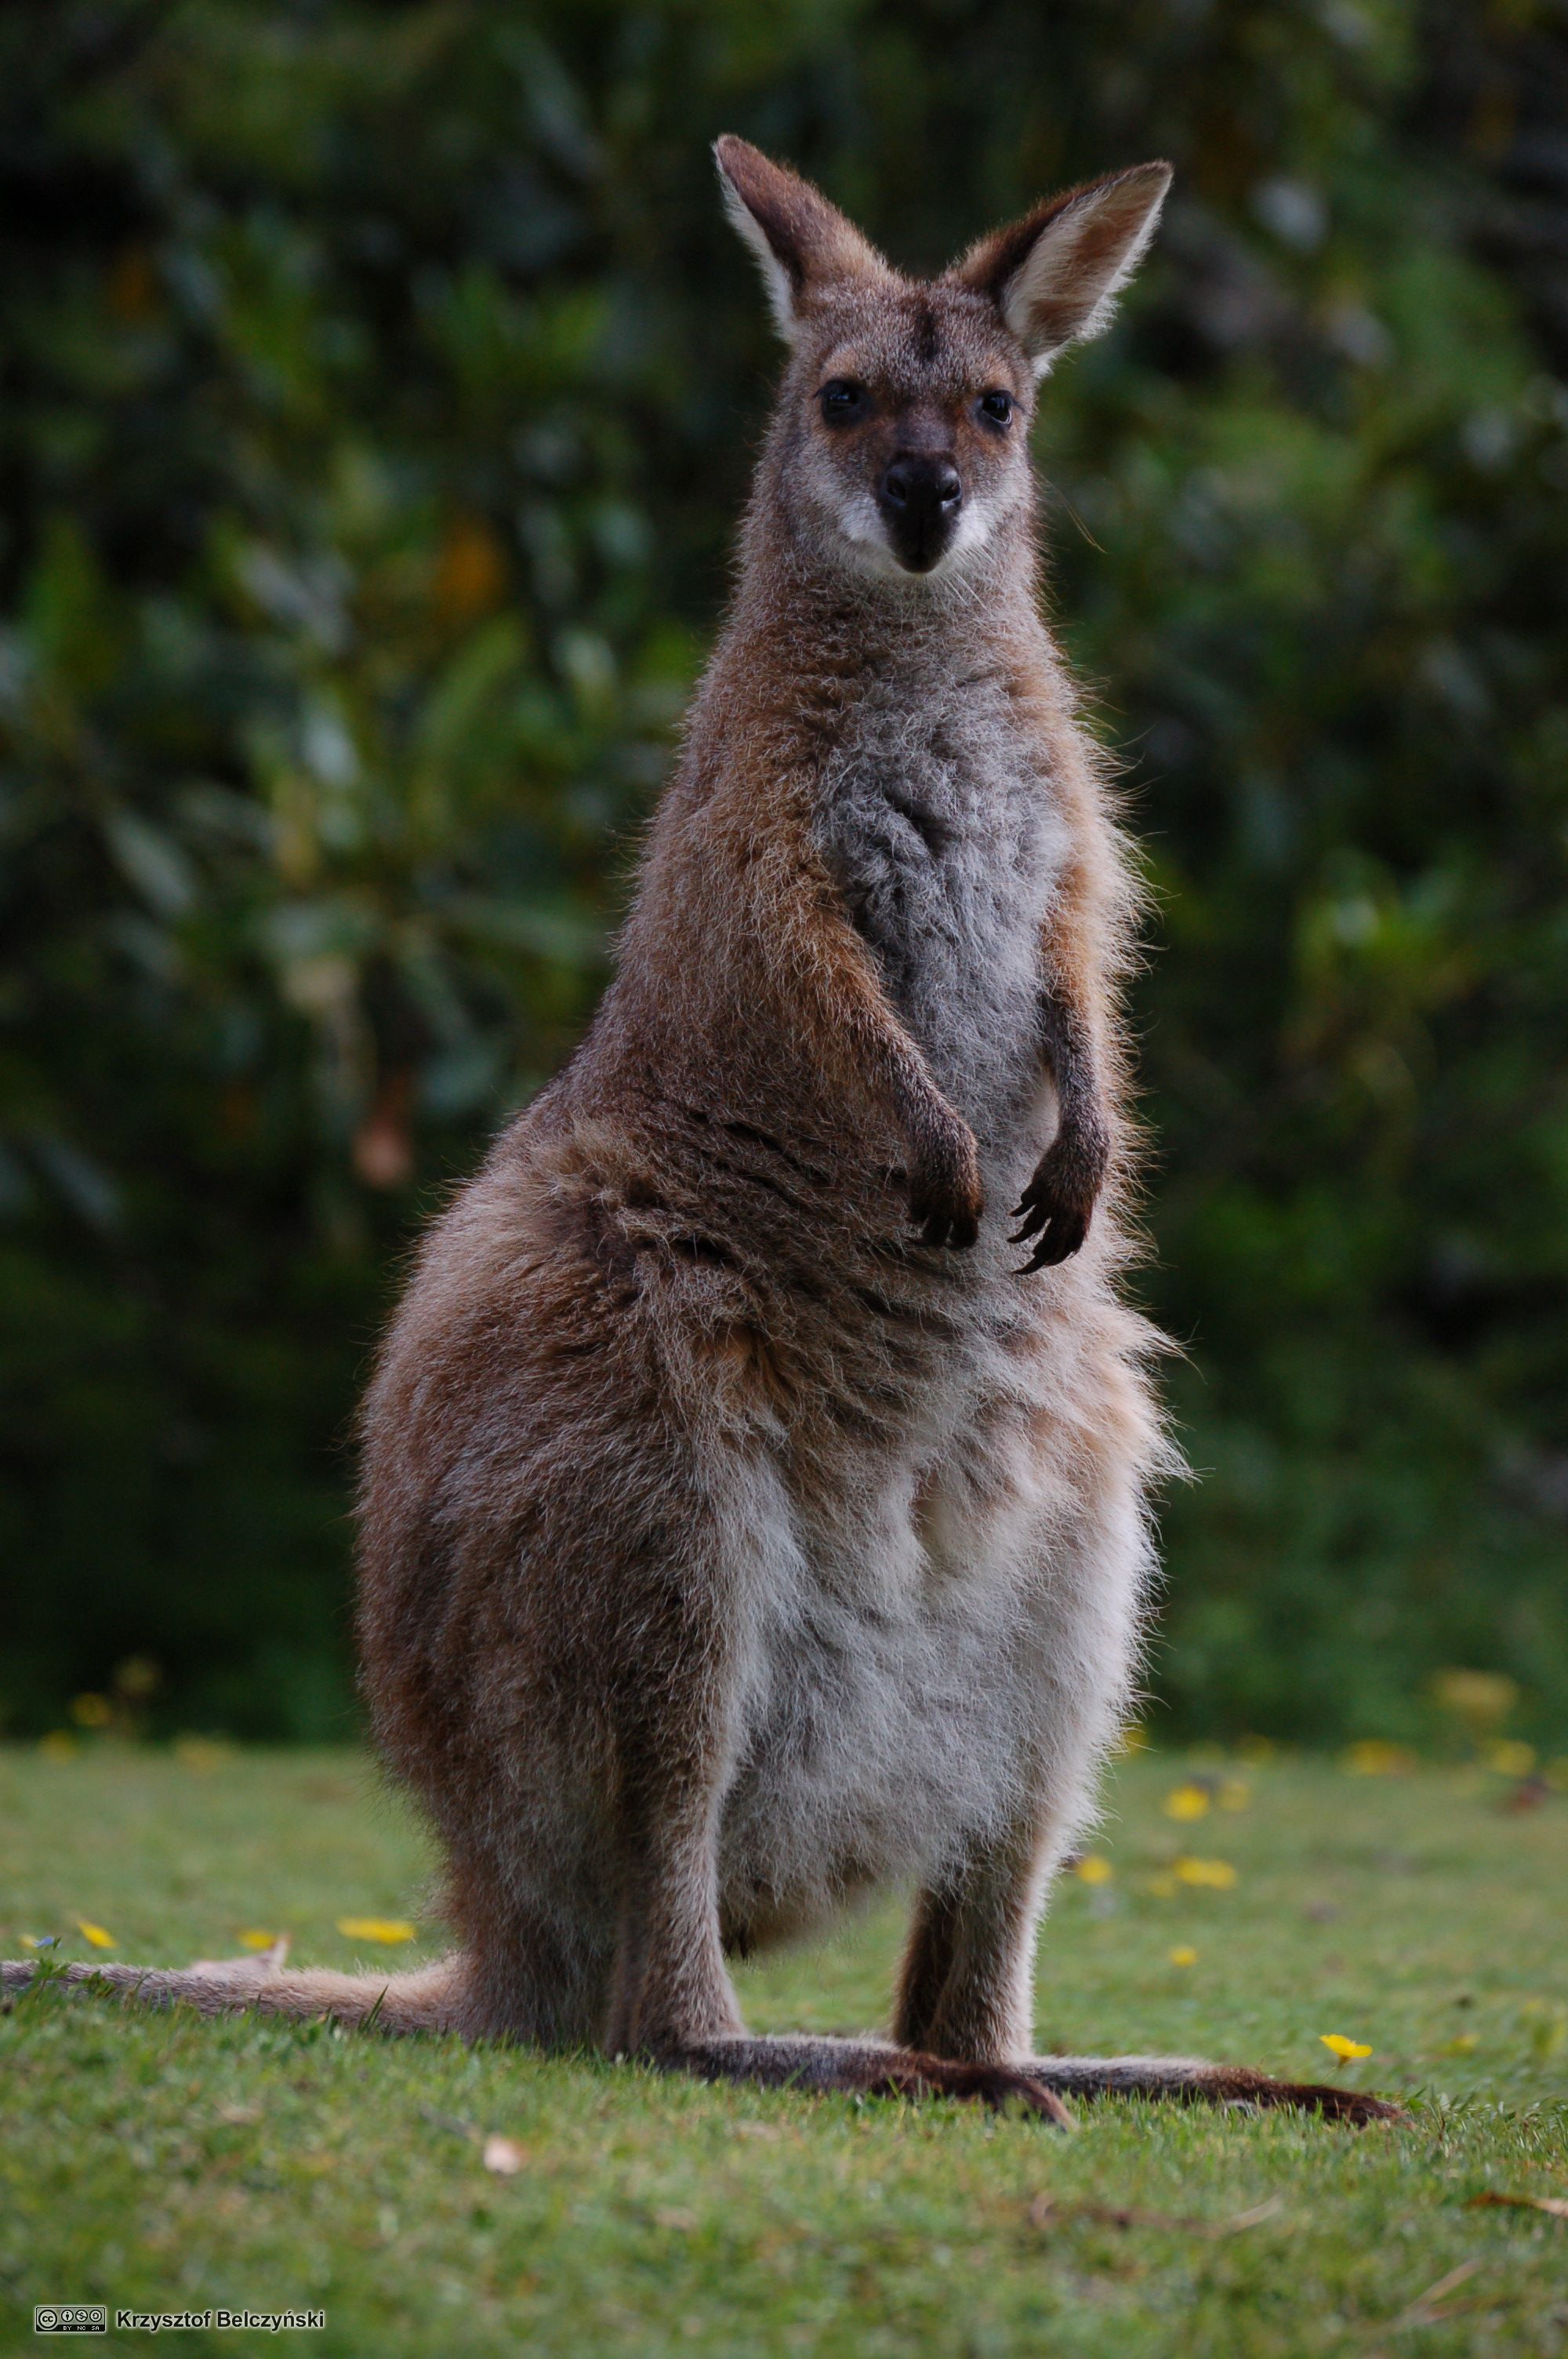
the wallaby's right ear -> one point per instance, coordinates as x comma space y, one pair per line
801, 241
1055, 274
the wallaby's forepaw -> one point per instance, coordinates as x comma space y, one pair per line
1056, 1207
946, 1199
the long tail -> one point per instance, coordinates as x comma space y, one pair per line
431, 1999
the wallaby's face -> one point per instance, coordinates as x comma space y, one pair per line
900, 440
906, 413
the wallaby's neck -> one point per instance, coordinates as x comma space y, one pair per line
798, 603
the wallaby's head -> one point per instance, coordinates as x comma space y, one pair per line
900, 444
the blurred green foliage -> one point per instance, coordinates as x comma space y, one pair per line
377, 387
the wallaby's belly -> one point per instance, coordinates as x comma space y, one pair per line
889, 1693
940, 826
872, 1754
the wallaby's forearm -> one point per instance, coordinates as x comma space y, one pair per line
818, 947
1059, 1204
792, 943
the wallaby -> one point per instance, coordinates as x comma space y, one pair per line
747, 1520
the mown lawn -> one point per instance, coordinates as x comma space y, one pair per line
169, 2163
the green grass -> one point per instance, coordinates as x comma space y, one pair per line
171, 2163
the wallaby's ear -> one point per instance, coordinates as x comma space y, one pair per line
1054, 276
801, 241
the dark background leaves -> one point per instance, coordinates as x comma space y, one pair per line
377, 387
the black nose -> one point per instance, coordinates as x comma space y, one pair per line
931, 484
920, 498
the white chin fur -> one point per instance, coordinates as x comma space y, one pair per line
868, 551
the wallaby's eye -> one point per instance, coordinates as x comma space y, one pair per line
997, 408
843, 401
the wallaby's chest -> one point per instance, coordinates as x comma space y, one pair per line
939, 822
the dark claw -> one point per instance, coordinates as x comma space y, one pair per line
1062, 1239
1055, 1210
955, 1231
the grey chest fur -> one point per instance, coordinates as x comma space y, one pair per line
938, 821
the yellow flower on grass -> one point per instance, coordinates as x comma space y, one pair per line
1509, 1758
253, 1939
1183, 1956
376, 1929
1093, 1869
1187, 1801
1480, 1699
1375, 1757
1337, 2045
1217, 1875
96, 1935
57, 1745
202, 1755
92, 1710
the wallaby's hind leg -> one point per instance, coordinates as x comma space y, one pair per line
677, 2006
966, 1992
535, 1925
1061, 1509
967, 1984
535, 1978
967, 1988
673, 2002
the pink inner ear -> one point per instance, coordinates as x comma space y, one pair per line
1054, 271
1077, 269
994, 261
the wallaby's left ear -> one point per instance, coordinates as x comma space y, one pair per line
1054, 276
802, 241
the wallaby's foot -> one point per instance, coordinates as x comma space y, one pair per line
864, 2068
1188, 2081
